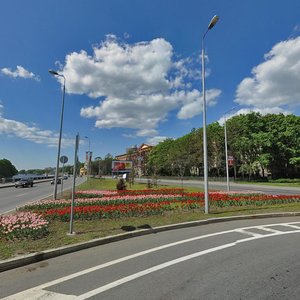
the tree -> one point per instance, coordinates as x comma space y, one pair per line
160, 160
7, 169
215, 142
106, 164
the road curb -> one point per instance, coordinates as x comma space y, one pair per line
47, 254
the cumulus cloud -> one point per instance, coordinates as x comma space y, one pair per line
30, 133
137, 85
19, 72
156, 140
147, 132
194, 103
275, 82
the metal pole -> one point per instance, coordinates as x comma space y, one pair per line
98, 158
211, 24
89, 157
60, 131
62, 181
226, 157
206, 198
73, 188
226, 149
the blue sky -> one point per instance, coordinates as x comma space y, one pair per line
133, 70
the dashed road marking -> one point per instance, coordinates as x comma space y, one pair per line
39, 292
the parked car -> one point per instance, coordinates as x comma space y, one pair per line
25, 182
58, 181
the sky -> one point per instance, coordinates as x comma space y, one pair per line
133, 71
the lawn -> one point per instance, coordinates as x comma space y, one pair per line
101, 211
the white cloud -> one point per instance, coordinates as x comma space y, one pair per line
194, 103
136, 85
275, 82
156, 140
19, 72
146, 132
30, 133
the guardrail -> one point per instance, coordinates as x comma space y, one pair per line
12, 183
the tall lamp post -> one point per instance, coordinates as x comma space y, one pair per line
211, 24
52, 72
226, 150
89, 156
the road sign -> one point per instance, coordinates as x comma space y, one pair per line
230, 160
63, 159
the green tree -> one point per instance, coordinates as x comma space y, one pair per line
215, 147
7, 169
160, 158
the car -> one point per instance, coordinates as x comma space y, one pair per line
25, 182
58, 181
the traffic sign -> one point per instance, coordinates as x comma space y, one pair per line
63, 159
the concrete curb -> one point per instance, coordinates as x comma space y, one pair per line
47, 254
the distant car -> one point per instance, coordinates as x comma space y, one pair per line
24, 183
58, 181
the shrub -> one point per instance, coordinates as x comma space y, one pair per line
121, 185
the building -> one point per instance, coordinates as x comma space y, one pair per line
138, 156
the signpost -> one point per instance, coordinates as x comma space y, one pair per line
63, 159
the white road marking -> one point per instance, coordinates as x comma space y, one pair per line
292, 226
38, 293
21, 195
151, 270
269, 229
248, 232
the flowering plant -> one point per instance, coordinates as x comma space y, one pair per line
23, 225
95, 204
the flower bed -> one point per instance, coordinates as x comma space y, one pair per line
117, 204
112, 200
99, 193
23, 225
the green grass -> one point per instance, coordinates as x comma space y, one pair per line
87, 230
110, 184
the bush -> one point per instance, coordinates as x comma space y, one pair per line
121, 185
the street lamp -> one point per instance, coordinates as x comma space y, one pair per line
89, 156
52, 72
212, 23
226, 149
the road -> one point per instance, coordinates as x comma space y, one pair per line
221, 186
11, 197
245, 259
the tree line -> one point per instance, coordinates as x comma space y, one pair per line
262, 146
100, 166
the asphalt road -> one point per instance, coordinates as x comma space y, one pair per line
11, 197
222, 186
250, 259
